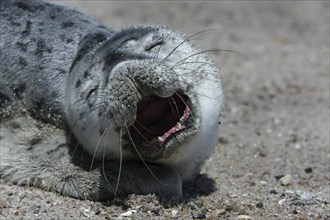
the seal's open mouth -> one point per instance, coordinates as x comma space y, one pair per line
158, 119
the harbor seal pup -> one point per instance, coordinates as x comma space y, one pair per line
90, 112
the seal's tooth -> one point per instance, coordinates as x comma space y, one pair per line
161, 139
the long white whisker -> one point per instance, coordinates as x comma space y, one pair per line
185, 40
77, 144
141, 134
243, 106
176, 107
201, 52
137, 151
172, 109
96, 147
159, 48
120, 161
103, 165
182, 99
144, 127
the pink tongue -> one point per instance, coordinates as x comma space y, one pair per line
178, 125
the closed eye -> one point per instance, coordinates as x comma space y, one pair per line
152, 45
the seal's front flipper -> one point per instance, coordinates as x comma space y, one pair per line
33, 153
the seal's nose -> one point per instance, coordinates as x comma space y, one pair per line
132, 81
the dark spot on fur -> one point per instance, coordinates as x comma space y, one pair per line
39, 103
87, 44
14, 23
61, 71
35, 140
6, 15
41, 25
4, 99
89, 103
52, 16
53, 10
67, 24
99, 37
22, 61
19, 89
40, 68
110, 115
101, 131
85, 20
39, 125
23, 6
22, 46
42, 47
46, 109
114, 56
62, 37
83, 129
86, 74
53, 94
40, 7
69, 40
31, 8
81, 115
78, 83
27, 30
15, 125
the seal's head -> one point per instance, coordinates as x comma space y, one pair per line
148, 93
